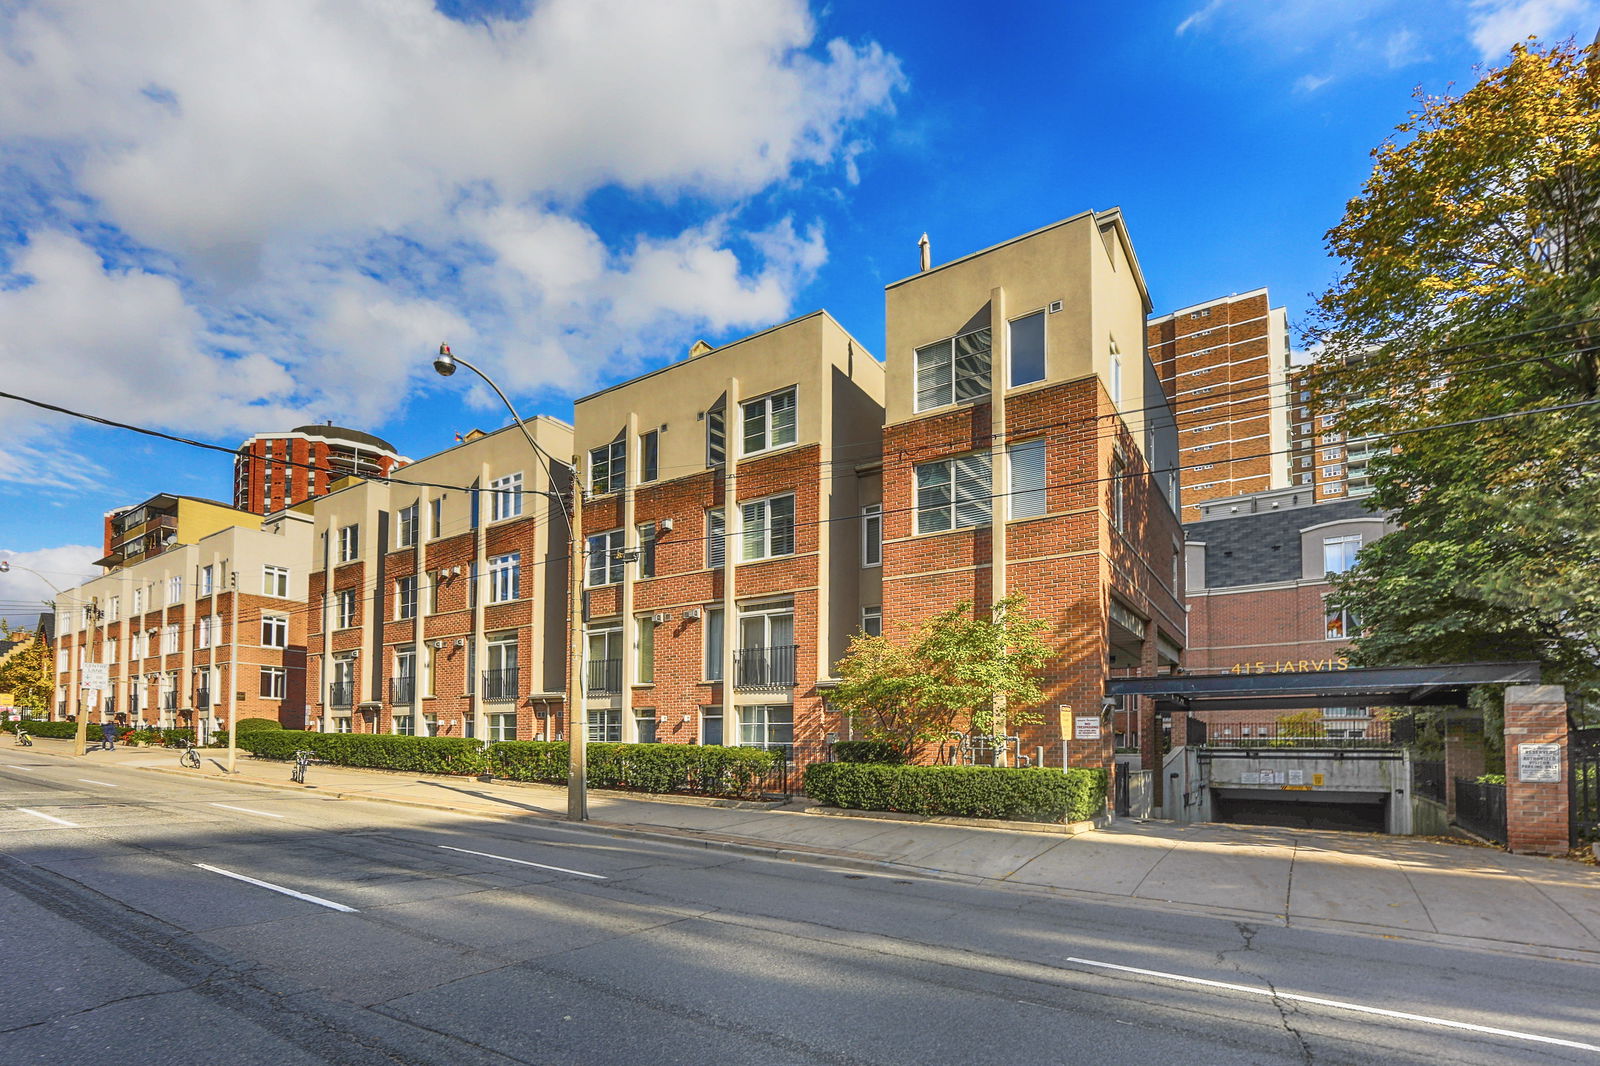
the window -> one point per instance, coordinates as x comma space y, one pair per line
111, 649
405, 597
716, 438
113, 608
274, 682
405, 725
644, 724
1116, 374
647, 550
202, 633
505, 497
403, 687
138, 601
1027, 349
714, 646
716, 539
343, 724
649, 455
429, 674
175, 589
953, 494
502, 727
275, 581
605, 558
608, 467
206, 584
1339, 553
1027, 479
644, 650
349, 543
436, 517
768, 528
344, 604
872, 535
766, 650
1326, 421
1119, 492
770, 727
1332, 471
769, 422
406, 527
274, 631
500, 678
711, 725
1341, 624
169, 639
872, 621
605, 659
954, 371
505, 577
604, 726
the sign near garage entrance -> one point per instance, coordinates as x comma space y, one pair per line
1539, 762
1086, 727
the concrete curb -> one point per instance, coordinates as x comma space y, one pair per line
1057, 828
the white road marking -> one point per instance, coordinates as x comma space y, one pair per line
10, 767
49, 818
247, 810
318, 900
1338, 1004
525, 862
92, 781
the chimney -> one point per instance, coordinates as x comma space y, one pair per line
927, 260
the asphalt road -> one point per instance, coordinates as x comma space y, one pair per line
146, 919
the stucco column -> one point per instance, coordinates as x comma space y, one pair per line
1463, 757
1536, 770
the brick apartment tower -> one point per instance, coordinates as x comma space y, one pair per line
1025, 451
278, 470
1224, 366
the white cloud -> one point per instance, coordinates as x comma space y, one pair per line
273, 208
1310, 83
1198, 17
26, 586
1496, 25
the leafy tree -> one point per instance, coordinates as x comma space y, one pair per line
29, 675
1470, 296
960, 666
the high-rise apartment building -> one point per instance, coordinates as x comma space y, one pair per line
278, 470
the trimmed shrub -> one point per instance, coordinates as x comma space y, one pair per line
690, 768
381, 751
869, 751
57, 730
247, 725
530, 760
1028, 794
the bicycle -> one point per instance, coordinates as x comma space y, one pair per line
23, 739
190, 756
302, 759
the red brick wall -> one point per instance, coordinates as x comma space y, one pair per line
1271, 625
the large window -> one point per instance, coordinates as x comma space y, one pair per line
500, 679
604, 726
349, 543
203, 632
650, 455
502, 727
206, 583
608, 467
405, 597
770, 727
644, 725
954, 370
605, 558
505, 577
605, 660
768, 527
505, 497
274, 682
344, 608
953, 494
872, 535
1339, 553
716, 539
766, 653
406, 527
169, 639
1341, 624
769, 422
175, 589
275, 581
1027, 479
1027, 349
274, 631
644, 649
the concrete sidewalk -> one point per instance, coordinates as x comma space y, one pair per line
1390, 886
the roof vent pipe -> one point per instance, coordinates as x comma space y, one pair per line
927, 260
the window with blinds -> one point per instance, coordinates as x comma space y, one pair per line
1027, 479
954, 370
953, 493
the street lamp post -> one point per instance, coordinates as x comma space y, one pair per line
577, 770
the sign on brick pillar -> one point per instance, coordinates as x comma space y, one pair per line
1536, 770
1463, 757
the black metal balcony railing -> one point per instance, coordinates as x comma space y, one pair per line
500, 684
169, 701
605, 676
341, 695
402, 690
764, 667
202, 700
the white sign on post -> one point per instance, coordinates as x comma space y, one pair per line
96, 676
1086, 727
1539, 762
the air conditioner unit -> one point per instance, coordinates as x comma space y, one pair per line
438, 644
455, 571
691, 614
461, 642
661, 618
665, 525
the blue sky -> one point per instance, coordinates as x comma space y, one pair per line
218, 218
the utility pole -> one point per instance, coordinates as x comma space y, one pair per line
233, 670
577, 735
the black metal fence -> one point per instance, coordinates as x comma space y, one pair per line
605, 676
1427, 778
1327, 733
402, 691
787, 779
1583, 754
764, 667
500, 684
1482, 809
341, 695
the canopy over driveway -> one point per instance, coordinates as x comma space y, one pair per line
1441, 685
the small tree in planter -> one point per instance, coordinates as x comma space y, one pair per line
962, 664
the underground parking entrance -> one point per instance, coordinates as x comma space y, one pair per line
1307, 745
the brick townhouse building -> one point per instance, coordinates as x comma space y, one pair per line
191, 630
1029, 448
724, 535
437, 599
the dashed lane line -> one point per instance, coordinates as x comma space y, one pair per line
49, 818
246, 810
269, 886
92, 781
524, 862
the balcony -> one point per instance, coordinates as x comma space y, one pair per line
500, 684
342, 694
402, 691
169, 701
764, 667
202, 700
605, 677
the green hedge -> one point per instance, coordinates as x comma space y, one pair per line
1032, 794
247, 725
687, 768
58, 730
869, 751
380, 751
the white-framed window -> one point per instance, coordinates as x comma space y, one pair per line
716, 437
113, 608
1027, 349
505, 497
275, 581
953, 493
605, 558
1119, 492
872, 535
205, 584
502, 726
405, 597
63, 663
1115, 383
274, 631
1326, 421
1340, 625
644, 649
349, 542
716, 539
768, 726
872, 621
202, 632
769, 422
111, 649
405, 725
649, 455
343, 723
1330, 454
604, 658
436, 517
647, 550
1339, 553
1027, 479
406, 526
714, 634
175, 588
954, 370
768, 527
274, 682
138, 601
604, 726
711, 725
1332, 471
505, 577
608, 467
344, 608
169, 638
644, 725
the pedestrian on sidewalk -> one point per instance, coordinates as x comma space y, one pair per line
108, 735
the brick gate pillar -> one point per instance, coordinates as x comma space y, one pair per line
1536, 770
1463, 757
